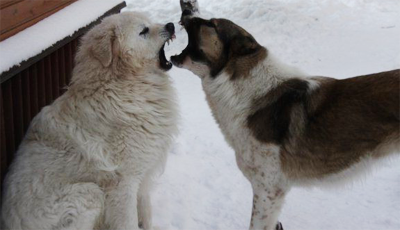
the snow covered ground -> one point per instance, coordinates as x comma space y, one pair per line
203, 189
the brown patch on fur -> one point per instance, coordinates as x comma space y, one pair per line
278, 194
244, 53
341, 122
240, 66
272, 112
210, 43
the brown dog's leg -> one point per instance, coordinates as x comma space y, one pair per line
267, 204
279, 226
269, 188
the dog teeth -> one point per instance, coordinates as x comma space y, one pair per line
171, 39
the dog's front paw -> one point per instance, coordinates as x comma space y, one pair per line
279, 226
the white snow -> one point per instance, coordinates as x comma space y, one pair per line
32, 41
203, 189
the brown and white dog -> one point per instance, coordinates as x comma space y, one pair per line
287, 128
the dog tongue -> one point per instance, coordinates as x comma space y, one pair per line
164, 64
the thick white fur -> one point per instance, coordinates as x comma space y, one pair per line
87, 159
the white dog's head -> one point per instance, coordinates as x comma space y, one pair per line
127, 40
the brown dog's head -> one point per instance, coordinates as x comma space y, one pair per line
216, 45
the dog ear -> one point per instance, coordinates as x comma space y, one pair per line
241, 42
244, 45
105, 43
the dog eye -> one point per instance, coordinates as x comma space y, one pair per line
144, 31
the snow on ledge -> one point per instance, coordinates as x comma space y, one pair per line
33, 40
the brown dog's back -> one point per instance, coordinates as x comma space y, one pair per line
345, 120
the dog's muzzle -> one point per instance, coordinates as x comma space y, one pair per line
164, 63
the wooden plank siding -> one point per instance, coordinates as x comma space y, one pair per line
9, 140
17, 15
25, 94
3, 157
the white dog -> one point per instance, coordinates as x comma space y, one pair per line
87, 160
288, 128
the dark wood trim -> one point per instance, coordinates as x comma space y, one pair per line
61, 66
25, 64
26, 105
45, 69
33, 83
4, 162
3, 149
69, 60
8, 118
18, 109
41, 84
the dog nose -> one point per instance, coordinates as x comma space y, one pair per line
170, 28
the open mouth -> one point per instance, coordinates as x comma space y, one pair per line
177, 60
164, 63
192, 31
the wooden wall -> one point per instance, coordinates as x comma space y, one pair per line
25, 94
17, 15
